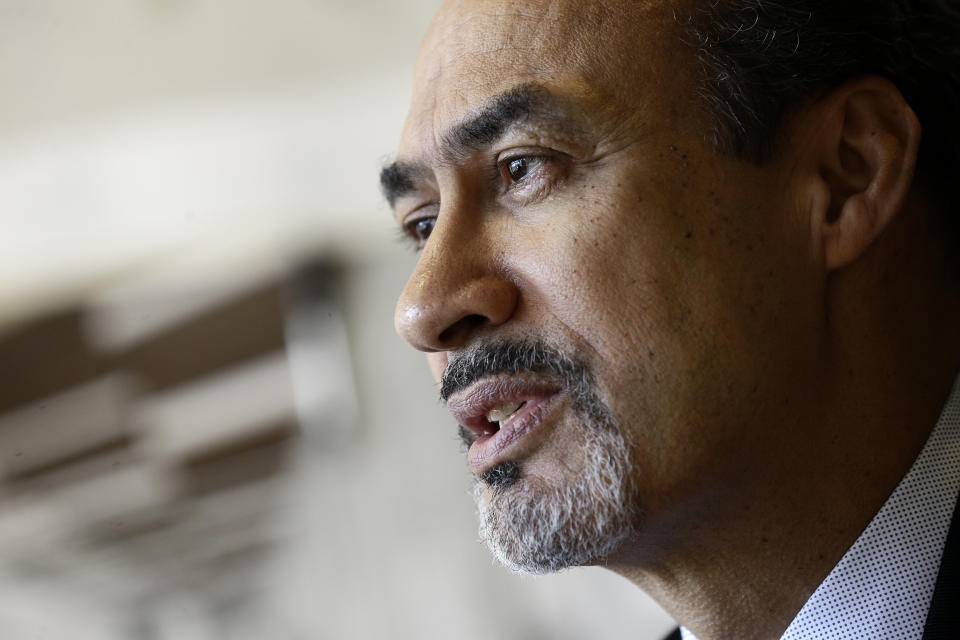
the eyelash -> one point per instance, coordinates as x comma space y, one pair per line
405, 237
534, 160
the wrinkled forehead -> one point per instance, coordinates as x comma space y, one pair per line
480, 48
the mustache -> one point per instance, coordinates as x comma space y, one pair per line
510, 357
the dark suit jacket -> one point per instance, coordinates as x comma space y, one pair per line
943, 619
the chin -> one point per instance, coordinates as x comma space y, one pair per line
535, 525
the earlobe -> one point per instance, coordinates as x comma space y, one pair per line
866, 159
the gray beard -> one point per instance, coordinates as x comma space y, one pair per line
532, 526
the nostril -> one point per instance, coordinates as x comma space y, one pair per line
463, 326
441, 309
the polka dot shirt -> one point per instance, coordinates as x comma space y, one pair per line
883, 585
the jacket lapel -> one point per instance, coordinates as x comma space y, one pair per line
943, 619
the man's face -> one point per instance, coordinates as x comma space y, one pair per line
555, 170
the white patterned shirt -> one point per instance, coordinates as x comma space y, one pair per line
883, 585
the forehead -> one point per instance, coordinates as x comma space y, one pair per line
599, 53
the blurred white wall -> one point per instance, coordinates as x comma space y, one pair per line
133, 130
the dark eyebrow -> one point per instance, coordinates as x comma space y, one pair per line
478, 130
493, 119
397, 179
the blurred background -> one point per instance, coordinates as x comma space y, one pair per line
208, 428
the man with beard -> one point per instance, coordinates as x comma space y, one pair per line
689, 279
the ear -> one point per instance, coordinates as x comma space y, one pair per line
862, 157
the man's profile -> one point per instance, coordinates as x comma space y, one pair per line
689, 280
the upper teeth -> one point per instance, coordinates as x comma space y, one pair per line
504, 412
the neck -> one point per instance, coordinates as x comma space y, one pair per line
741, 562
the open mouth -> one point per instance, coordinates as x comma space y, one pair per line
500, 415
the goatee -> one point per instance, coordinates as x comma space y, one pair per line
532, 524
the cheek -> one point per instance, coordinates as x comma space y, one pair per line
625, 278
608, 274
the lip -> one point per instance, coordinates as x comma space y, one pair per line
469, 408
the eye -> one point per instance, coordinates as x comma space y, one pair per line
517, 169
422, 228
417, 230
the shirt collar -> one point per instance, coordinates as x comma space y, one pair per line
883, 585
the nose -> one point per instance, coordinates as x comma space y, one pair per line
456, 290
